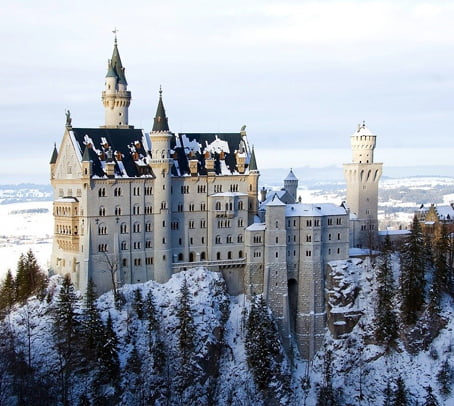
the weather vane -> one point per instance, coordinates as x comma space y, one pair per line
115, 30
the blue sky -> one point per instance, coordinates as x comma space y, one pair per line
299, 74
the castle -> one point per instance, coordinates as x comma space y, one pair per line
132, 206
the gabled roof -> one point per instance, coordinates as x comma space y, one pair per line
275, 201
129, 153
283, 195
314, 210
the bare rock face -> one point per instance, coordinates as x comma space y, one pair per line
342, 289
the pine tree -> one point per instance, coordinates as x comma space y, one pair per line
430, 399
262, 344
109, 361
29, 277
186, 323
385, 321
138, 304
400, 397
7, 292
65, 330
92, 326
412, 274
445, 378
387, 394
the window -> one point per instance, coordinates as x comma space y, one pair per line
123, 228
102, 248
180, 207
148, 209
229, 239
203, 224
339, 221
137, 261
117, 191
148, 244
174, 225
124, 262
308, 253
191, 207
149, 260
229, 255
338, 236
102, 192
191, 223
163, 205
124, 245
201, 189
329, 237
136, 209
217, 188
218, 206
184, 189
102, 211
148, 190
118, 211
317, 223
136, 228
102, 229
330, 221
308, 223
137, 245
218, 256
218, 239
277, 240
277, 254
240, 238
240, 222
240, 205
136, 191
203, 206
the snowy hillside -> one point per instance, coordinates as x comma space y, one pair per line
24, 226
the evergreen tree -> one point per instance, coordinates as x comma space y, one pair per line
262, 344
29, 278
186, 323
430, 399
445, 378
400, 397
109, 361
387, 394
385, 321
138, 304
7, 292
412, 274
93, 327
65, 330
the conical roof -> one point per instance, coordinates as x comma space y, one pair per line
54, 156
290, 176
115, 68
253, 162
160, 121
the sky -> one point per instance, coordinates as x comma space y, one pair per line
300, 74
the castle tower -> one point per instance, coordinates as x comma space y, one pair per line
161, 164
362, 177
291, 185
115, 97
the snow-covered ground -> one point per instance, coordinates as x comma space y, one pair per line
25, 226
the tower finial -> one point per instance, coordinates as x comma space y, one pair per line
115, 30
160, 91
364, 123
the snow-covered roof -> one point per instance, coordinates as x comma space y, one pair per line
275, 201
291, 176
229, 194
393, 232
445, 212
314, 210
362, 130
256, 227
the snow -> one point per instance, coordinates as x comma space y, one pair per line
314, 210
24, 228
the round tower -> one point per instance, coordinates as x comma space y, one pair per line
115, 97
362, 177
161, 164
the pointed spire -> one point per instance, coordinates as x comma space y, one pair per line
252, 161
160, 121
54, 156
86, 155
115, 67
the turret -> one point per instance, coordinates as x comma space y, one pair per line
115, 97
160, 163
253, 182
291, 185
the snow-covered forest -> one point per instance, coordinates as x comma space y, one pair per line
187, 342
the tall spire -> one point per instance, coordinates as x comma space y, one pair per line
253, 162
115, 67
160, 121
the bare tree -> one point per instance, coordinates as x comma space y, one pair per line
111, 262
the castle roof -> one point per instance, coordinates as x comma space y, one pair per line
160, 120
314, 210
129, 149
53, 158
291, 176
362, 130
115, 67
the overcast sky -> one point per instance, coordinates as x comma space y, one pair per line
300, 74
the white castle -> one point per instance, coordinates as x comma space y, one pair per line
132, 206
